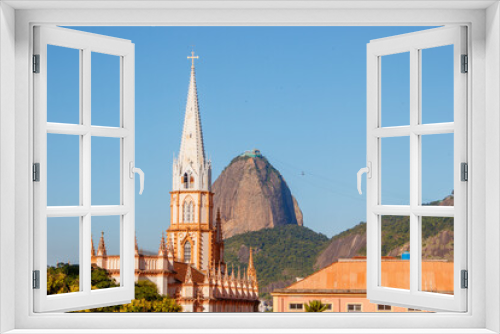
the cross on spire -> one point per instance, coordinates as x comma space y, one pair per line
192, 58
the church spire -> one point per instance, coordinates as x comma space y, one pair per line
192, 151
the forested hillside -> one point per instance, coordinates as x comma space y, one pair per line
280, 254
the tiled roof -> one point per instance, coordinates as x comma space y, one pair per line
181, 269
350, 275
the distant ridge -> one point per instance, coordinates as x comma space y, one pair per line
437, 236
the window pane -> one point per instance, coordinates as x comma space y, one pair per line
395, 248
63, 255
105, 90
63, 85
395, 89
395, 171
437, 84
105, 252
63, 170
437, 169
105, 171
354, 308
437, 254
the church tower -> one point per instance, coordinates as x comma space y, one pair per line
193, 232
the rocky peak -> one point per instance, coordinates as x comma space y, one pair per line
253, 195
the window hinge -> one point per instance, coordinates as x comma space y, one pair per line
465, 279
36, 172
36, 63
464, 167
465, 64
36, 279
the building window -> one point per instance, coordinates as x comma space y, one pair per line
188, 212
187, 252
353, 307
296, 306
384, 307
328, 307
188, 180
414, 310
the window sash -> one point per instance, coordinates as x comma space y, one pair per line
86, 43
413, 43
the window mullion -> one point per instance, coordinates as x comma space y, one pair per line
415, 169
85, 170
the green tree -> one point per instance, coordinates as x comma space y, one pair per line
315, 306
147, 290
101, 279
63, 278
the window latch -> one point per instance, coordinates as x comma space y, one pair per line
368, 171
132, 171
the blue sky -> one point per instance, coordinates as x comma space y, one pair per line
296, 93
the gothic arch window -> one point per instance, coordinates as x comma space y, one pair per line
188, 211
188, 180
187, 252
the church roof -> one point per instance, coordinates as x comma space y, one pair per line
181, 269
192, 149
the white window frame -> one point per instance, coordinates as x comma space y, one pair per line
483, 20
86, 44
414, 43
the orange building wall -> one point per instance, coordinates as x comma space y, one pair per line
344, 282
339, 303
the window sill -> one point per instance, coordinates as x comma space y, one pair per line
248, 331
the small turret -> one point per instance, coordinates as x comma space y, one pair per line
136, 246
170, 250
162, 251
252, 273
92, 249
218, 226
101, 250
